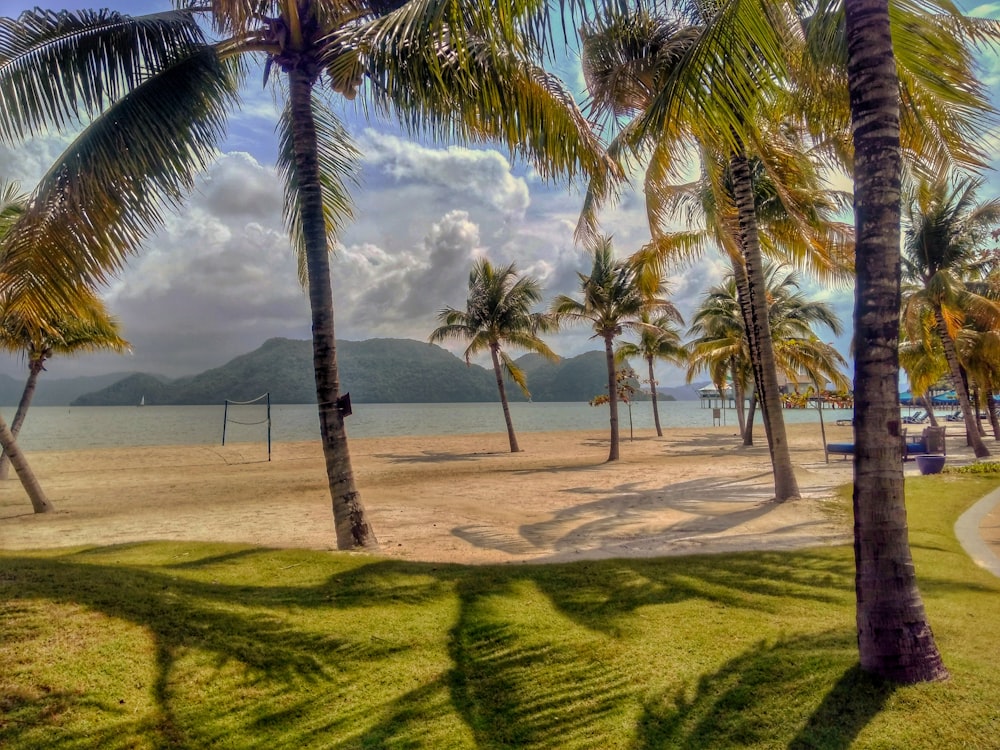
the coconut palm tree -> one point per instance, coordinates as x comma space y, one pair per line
152, 94
894, 639
88, 328
632, 62
498, 315
612, 302
722, 342
944, 232
12, 206
660, 340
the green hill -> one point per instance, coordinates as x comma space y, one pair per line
374, 371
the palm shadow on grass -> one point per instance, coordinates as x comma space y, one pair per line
512, 684
734, 706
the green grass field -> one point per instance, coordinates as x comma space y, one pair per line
197, 645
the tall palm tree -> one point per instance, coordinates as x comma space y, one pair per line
895, 640
722, 342
944, 231
88, 328
161, 86
660, 340
632, 63
612, 302
497, 315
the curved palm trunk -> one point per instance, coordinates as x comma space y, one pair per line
652, 390
970, 413
752, 287
35, 368
609, 355
894, 636
929, 405
30, 483
503, 400
350, 520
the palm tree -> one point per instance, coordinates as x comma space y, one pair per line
945, 230
12, 206
979, 352
722, 343
632, 64
895, 640
660, 340
498, 314
612, 303
159, 85
88, 328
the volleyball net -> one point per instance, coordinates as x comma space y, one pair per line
248, 421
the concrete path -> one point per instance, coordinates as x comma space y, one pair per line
978, 530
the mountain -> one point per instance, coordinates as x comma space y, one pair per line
578, 378
373, 371
683, 392
52, 391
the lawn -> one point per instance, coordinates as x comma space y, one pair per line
175, 645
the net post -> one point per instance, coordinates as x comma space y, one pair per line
269, 426
225, 419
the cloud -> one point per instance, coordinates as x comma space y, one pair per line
462, 175
219, 278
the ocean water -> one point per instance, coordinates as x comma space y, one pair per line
71, 428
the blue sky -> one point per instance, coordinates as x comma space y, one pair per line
219, 279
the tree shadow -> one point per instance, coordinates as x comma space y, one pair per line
624, 517
732, 706
230, 652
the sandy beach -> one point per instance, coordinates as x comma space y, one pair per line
456, 498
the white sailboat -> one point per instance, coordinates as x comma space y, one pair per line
142, 401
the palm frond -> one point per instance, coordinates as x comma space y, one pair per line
61, 68
104, 194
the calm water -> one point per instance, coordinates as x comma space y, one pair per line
65, 428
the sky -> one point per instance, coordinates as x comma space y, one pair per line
220, 278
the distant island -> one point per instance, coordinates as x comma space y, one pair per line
373, 371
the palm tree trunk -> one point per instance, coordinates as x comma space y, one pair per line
652, 391
991, 404
30, 483
969, 412
751, 416
350, 520
35, 368
977, 404
894, 636
503, 400
740, 395
929, 405
609, 355
752, 287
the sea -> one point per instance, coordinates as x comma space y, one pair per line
77, 427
